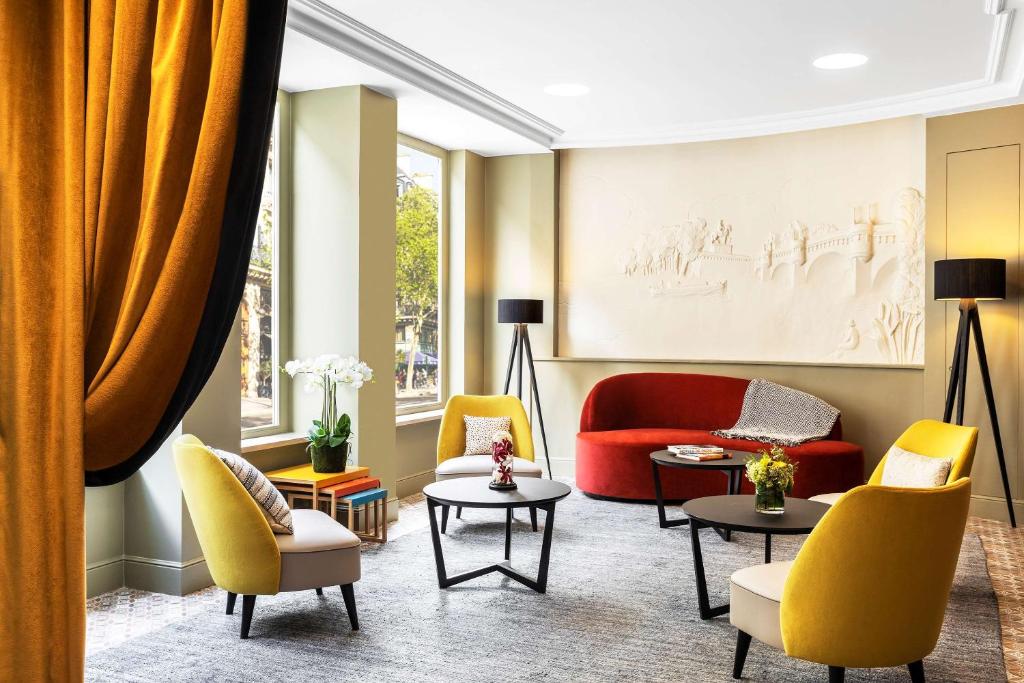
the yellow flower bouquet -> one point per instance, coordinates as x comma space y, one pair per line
771, 471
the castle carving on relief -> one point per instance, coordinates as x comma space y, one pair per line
693, 259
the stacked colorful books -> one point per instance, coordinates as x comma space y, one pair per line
699, 453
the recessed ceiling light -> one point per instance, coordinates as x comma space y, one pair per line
566, 89
840, 60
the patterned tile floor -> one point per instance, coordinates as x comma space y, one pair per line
126, 613
1004, 548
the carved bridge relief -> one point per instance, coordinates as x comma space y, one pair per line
690, 259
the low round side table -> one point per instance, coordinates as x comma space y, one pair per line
736, 513
732, 466
473, 492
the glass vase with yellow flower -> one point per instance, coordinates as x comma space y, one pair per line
771, 472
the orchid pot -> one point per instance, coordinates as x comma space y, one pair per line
329, 439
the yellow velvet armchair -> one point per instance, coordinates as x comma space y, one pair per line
452, 461
933, 439
242, 553
858, 594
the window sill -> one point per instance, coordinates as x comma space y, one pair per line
265, 443
418, 418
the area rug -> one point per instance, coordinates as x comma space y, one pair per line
621, 605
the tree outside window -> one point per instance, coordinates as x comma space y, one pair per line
258, 378
417, 259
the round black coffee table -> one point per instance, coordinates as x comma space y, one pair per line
473, 492
731, 466
736, 513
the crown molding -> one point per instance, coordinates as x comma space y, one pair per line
1000, 36
323, 23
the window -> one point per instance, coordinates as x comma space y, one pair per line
419, 191
259, 381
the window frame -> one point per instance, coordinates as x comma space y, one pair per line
279, 269
442, 277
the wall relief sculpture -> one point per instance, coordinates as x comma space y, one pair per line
689, 259
799, 248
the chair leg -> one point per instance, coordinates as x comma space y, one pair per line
742, 645
836, 674
350, 605
533, 518
444, 518
916, 671
458, 512
248, 603
231, 603
319, 591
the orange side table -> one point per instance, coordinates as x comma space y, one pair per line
303, 480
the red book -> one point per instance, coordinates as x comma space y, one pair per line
347, 488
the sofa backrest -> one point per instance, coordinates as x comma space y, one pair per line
671, 400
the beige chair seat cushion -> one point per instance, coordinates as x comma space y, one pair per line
827, 498
482, 465
320, 553
755, 594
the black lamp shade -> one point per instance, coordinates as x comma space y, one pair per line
520, 310
970, 278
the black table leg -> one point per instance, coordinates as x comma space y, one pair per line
444, 518
663, 522
767, 548
703, 602
545, 549
539, 584
508, 534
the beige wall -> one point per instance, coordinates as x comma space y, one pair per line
465, 276
973, 209
343, 244
104, 538
416, 455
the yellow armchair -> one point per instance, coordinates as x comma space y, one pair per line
242, 553
858, 594
451, 441
452, 461
933, 439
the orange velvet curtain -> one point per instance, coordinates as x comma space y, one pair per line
131, 140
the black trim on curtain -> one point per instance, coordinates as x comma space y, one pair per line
263, 43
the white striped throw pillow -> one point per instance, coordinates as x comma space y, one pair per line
272, 503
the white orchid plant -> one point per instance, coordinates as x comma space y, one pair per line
324, 373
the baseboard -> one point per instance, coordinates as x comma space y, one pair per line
104, 576
990, 507
560, 467
413, 483
166, 576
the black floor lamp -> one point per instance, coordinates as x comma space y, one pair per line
971, 280
522, 312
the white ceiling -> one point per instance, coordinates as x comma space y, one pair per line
661, 70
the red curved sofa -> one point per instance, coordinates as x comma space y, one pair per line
626, 417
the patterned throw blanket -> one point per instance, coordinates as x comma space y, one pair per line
776, 414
